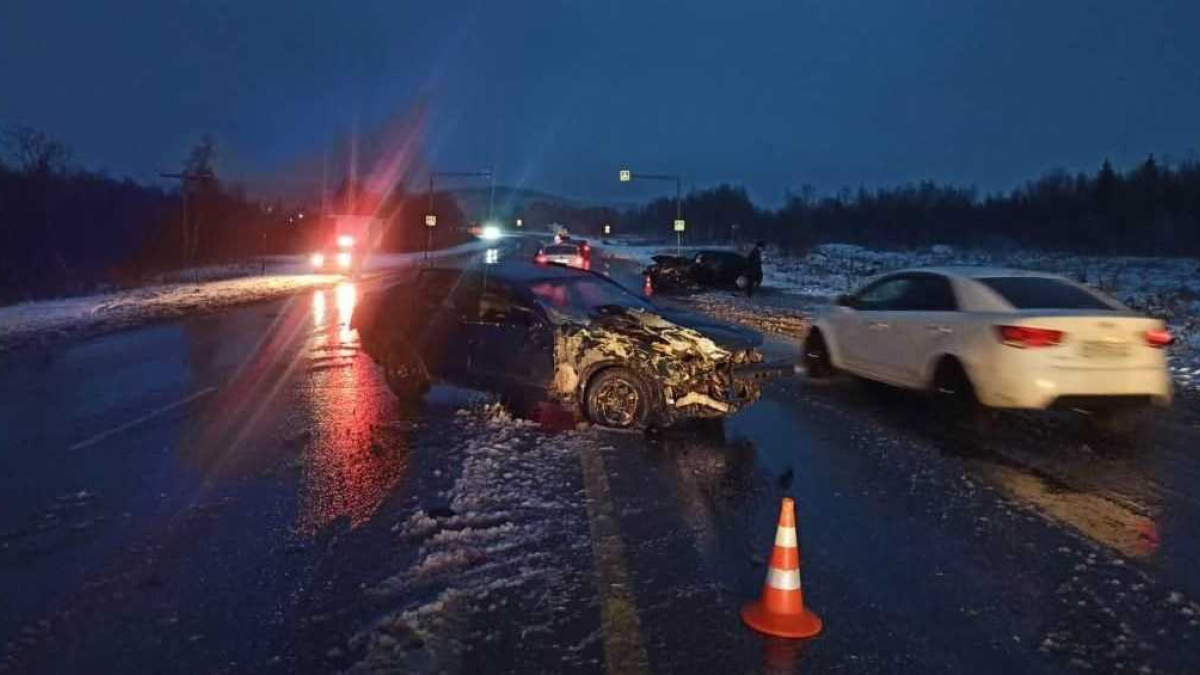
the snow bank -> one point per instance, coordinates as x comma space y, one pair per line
39, 322
1168, 288
643, 254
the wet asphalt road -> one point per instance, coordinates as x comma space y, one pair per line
240, 493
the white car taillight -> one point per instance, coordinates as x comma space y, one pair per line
1026, 337
1159, 338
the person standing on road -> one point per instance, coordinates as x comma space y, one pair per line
754, 269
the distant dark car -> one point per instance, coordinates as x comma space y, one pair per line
703, 269
545, 332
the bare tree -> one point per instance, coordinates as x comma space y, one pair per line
33, 151
203, 156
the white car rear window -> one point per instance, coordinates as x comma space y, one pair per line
1044, 293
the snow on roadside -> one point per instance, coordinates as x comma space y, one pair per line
487, 553
1164, 287
37, 322
179, 293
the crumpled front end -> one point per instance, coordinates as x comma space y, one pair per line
689, 374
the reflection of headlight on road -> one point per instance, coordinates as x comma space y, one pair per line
490, 232
343, 259
318, 260
492, 256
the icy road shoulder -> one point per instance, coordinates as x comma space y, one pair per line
39, 322
506, 539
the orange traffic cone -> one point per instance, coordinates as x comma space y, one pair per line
781, 611
647, 286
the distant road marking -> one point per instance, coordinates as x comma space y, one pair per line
623, 649
143, 419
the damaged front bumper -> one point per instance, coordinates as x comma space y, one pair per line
738, 386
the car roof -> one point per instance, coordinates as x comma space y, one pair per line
976, 272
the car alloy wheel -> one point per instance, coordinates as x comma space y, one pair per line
617, 402
617, 398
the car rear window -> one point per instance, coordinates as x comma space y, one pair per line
1044, 293
561, 249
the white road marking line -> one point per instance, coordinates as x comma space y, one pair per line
143, 419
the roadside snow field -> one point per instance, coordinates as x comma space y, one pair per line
1167, 288
37, 322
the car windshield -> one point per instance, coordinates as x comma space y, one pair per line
1044, 293
580, 297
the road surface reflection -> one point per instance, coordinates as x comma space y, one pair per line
358, 448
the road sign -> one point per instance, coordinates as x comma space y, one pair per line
626, 175
430, 220
679, 225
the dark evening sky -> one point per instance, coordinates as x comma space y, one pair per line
559, 95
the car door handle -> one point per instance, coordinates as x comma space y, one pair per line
940, 330
879, 325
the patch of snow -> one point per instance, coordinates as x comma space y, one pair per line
37, 321
509, 509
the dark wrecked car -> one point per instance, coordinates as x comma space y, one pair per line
703, 269
548, 333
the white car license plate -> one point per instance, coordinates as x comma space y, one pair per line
1105, 350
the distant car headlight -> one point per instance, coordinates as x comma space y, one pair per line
490, 232
318, 260
343, 260
345, 241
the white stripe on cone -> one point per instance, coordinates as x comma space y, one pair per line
785, 537
783, 580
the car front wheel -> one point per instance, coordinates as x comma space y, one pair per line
618, 399
404, 374
817, 363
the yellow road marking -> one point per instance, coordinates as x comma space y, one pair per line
623, 648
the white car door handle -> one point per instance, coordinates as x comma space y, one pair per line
879, 325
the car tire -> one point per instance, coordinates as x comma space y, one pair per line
618, 399
817, 362
405, 374
953, 389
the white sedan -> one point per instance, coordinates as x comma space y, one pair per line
1004, 338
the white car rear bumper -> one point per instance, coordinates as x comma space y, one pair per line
1050, 386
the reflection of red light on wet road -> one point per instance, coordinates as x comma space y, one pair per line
357, 454
346, 295
318, 309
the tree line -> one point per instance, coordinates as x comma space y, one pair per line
1152, 209
66, 229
